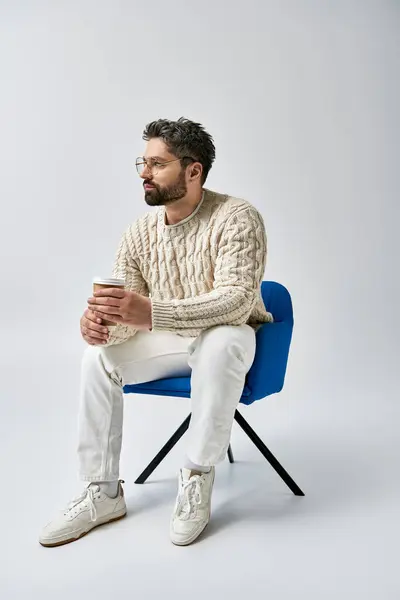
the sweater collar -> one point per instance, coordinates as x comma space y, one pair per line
161, 215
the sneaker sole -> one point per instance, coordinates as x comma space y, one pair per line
190, 540
74, 539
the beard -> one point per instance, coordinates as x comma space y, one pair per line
160, 196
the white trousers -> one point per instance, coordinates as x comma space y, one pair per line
217, 361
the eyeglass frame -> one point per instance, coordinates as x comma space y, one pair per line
144, 162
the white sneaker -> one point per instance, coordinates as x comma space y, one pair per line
192, 507
92, 508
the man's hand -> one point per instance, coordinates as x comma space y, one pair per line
92, 331
122, 306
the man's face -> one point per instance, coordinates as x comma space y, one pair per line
166, 183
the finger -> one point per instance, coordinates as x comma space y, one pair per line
97, 320
101, 310
94, 302
110, 317
91, 317
93, 341
93, 325
108, 296
95, 334
115, 292
94, 322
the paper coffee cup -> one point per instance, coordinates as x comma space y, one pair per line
99, 283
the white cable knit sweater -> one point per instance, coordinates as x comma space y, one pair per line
203, 271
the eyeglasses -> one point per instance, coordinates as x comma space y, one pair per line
155, 165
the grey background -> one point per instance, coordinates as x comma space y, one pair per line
302, 100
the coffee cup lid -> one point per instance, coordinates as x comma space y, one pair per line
109, 281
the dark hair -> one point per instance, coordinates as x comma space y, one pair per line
184, 138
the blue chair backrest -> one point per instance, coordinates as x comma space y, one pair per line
277, 301
267, 373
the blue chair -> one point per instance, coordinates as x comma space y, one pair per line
265, 377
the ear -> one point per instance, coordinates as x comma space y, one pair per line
196, 171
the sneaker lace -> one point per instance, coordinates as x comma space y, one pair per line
190, 496
85, 499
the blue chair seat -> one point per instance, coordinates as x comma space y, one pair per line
175, 386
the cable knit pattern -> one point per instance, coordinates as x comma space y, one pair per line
206, 270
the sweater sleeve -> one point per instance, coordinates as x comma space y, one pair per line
126, 267
239, 270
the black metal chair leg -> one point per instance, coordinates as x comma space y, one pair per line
267, 454
164, 450
230, 454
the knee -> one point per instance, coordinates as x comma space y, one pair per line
97, 356
91, 357
97, 359
221, 345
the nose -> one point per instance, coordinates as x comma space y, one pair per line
146, 173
